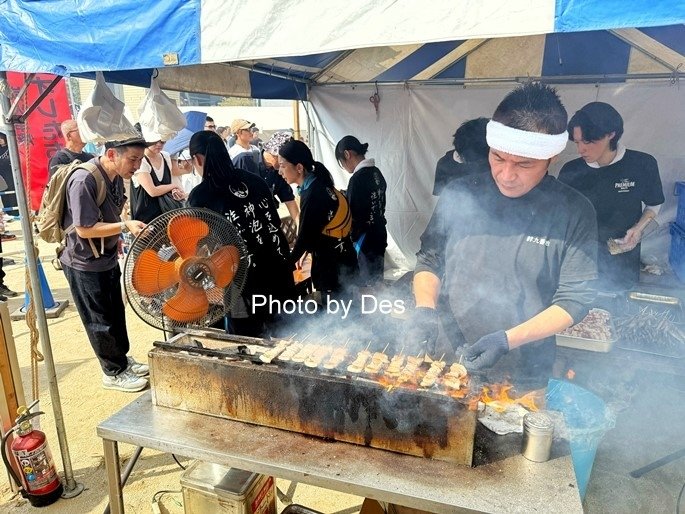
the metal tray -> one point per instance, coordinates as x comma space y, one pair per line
592, 345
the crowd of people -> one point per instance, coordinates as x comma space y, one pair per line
508, 259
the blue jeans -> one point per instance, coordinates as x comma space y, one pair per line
98, 299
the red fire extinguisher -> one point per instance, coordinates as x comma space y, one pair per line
39, 482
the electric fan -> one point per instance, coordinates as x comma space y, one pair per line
181, 266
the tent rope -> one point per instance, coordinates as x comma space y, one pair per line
30, 317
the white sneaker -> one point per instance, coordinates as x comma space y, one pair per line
124, 381
137, 368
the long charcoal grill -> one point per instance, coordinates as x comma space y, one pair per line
211, 375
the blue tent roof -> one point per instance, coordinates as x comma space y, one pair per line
244, 53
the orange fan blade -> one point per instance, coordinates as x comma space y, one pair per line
224, 264
151, 275
188, 304
185, 232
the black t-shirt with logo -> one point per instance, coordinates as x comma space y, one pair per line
503, 260
617, 192
247, 203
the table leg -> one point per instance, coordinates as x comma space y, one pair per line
116, 496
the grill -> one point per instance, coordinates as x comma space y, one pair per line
219, 375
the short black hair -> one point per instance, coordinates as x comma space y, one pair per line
596, 120
470, 140
533, 107
209, 118
350, 144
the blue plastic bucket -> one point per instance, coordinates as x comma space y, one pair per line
587, 420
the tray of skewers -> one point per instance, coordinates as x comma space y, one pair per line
400, 370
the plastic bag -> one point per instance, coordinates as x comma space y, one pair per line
101, 117
160, 119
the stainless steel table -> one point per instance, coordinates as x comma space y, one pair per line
510, 485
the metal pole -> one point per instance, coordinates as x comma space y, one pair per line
71, 488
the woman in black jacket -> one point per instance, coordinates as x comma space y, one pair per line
366, 196
246, 201
324, 229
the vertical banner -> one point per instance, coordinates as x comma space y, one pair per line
40, 138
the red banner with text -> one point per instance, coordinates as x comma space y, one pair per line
40, 137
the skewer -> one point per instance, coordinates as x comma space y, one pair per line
385, 348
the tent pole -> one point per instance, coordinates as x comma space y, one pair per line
296, 119
488, 81
71, 487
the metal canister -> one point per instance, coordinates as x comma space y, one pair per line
538, 429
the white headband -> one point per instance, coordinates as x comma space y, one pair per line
533, 145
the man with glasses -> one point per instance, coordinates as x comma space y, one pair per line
73, 148
209, 124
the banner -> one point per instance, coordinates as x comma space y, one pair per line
40, 137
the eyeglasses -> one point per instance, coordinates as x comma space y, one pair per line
210, 127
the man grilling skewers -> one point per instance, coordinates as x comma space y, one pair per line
508, 256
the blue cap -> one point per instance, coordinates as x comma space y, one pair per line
195, 122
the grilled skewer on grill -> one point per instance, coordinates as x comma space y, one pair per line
304, 353
358, 365
336, 358
432, 375
290, 352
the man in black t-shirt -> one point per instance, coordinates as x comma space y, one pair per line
73, 148
618, 182
508, 256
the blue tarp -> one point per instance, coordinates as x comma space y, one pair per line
130, 39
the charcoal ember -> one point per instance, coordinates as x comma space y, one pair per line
596, 325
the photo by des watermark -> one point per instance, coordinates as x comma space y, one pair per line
367, 304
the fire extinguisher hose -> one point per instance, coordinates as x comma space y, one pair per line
10, 469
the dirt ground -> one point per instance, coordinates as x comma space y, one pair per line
85, 404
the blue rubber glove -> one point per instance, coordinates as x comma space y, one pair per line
422, 332
485, 352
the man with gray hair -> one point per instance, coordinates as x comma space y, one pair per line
73, 148
507, 257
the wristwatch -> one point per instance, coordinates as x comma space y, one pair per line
124, 227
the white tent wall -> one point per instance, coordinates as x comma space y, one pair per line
415, 125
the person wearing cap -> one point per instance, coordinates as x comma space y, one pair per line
94, 280
366, 196
508, 257
157, 176
623, 185
73, 148
268, 170
242, 153
190, 178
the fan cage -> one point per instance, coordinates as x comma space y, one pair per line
155, 237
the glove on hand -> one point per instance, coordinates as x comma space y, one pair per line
485, 352
422, 331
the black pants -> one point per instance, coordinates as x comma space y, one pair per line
97, 295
